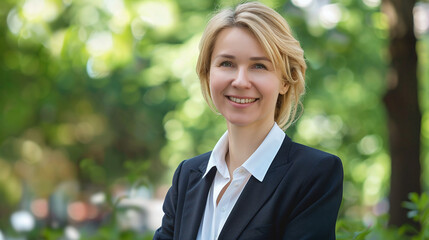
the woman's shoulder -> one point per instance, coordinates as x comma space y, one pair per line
196, 163
309, 156
298, 148
310, 165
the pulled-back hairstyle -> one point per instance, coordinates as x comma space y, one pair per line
275, 36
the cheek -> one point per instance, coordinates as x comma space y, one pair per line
212, 80
216, 82
270, 90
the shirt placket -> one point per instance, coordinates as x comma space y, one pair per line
220, 209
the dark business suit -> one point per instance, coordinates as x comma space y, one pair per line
298, 199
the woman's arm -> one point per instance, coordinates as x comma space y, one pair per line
315, 215
166, 231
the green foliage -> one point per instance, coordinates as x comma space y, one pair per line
418, 207
351, 230
50, 234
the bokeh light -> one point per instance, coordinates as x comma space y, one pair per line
158, 14
22, 221
98, 198
330, 15
302, 3
14, 21
77, 211
421, 18
71, 233
99, 43
40, 208
372, 3
39, 10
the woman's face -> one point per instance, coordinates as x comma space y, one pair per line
243, 83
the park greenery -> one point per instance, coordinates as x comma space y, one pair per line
102, 96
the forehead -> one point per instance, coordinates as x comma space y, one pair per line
238, 41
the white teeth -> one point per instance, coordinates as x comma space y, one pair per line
242, 100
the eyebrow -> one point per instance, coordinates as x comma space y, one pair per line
251, 58
260, 59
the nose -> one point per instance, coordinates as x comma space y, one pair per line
242, 79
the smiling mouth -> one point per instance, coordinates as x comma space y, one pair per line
242, 100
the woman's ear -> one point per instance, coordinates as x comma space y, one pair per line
284, 88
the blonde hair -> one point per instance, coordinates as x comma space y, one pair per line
275, 36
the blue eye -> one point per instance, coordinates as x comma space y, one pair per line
260, 66
226, 64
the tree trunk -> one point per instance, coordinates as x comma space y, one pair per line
401, 101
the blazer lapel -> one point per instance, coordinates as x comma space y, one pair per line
195, 201
255, 194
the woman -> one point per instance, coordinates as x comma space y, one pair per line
256, 183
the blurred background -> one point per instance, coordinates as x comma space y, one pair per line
99, 103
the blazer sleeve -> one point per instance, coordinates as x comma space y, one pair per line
166, 231
320, 195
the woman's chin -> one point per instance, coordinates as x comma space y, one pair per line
241, 122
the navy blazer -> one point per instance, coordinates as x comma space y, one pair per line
298, 199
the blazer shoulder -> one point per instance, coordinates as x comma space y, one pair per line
197, 162
306, 155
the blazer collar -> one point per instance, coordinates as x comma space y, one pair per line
255, 194
195, 200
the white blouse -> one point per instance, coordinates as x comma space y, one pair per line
256, 165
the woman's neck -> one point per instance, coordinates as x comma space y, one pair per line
242, 142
